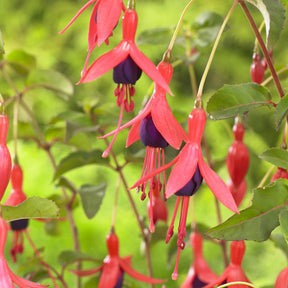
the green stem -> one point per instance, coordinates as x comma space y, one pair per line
263, 48
205, 73
115, 203
237, 283
178, 26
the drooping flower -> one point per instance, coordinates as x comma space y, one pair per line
234, 272
16, 197
114, 267
128, 62
186, 177
158, 206
7, 277
199, 273
105, 16
156, 127
282, 279
5, 158
189, 158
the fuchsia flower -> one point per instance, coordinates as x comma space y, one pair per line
158, 206
199, 273
104, 18
186, 177
7, 277
234, 272
282, 279
114, 267
16, 197
156, 127
127, 62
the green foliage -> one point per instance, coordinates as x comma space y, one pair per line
281, 111
50, 79
260, 219
276, 156
273, 13
92, 197
40, 69
79, 159
69, 257
233, 100
33, 207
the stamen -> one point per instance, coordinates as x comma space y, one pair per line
106, 152
171, 227
152, 226
164, 179
175, 273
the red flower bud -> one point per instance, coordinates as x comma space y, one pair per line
257, 69
238, 157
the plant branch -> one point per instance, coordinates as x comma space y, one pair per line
263, 48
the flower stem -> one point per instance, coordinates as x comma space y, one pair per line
263, 48
205, 73
178, 26
115, 203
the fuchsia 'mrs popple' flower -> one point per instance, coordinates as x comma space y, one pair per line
105, 16
156, 127
127, 62
234, 272
16, 197
114, 267
7, 277
199, 273
186, 177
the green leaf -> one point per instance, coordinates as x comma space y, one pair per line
79, 159
273, 13
32, 207
281, 111
283, 219
279, 242
260, 219
52, 80
73, 129
69, 257
91, 197
276, 156
2, 50
156, 36
207, 26
233, 100
21, 61
52, 228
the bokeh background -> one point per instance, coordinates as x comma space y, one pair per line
33, 26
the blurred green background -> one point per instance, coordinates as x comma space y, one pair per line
33, 27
